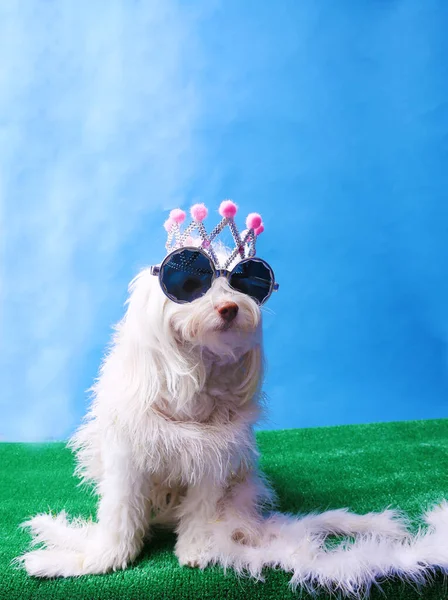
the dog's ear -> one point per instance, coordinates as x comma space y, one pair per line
157, 366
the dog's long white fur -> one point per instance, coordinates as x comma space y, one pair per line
169, 439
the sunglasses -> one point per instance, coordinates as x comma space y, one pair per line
188, 273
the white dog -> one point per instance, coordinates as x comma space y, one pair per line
169, 439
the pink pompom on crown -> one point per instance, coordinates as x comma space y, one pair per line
177, 215
168, 224
253, 221
228, 209
259, 229
199, 212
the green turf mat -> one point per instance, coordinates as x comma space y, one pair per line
363, 467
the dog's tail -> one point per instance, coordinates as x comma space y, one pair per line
378, 546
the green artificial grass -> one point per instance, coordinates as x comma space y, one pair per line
364, 467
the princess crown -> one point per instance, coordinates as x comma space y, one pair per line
244, 242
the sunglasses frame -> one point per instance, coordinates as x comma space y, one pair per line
158, 270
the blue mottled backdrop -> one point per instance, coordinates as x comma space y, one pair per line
330, 118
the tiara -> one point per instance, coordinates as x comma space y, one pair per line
245, 241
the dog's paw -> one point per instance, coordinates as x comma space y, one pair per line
193, 563
190, 555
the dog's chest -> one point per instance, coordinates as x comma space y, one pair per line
206, 436
186, 453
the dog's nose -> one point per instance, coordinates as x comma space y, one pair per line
228, 311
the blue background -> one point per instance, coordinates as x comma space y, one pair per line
329, 118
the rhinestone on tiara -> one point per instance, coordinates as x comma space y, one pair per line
245, 242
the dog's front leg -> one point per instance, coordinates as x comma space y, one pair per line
197, 512
111, 543
212, 518
123, 513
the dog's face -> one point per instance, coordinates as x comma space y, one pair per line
223, 321
222, 327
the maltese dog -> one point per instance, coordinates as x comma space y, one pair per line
169, 436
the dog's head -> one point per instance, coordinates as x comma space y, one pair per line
222, 327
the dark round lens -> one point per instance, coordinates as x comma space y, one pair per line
186, 275
254, 278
